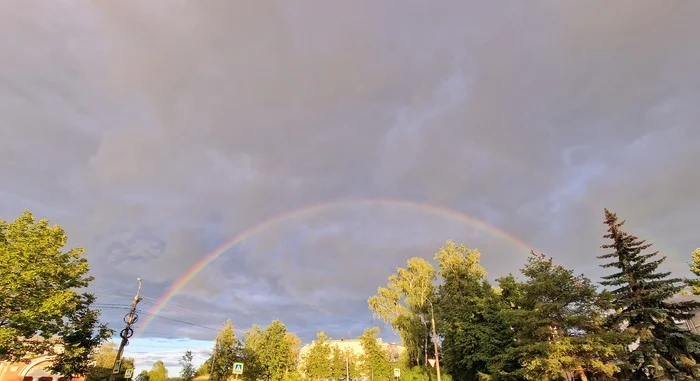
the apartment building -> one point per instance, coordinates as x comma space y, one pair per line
355, 347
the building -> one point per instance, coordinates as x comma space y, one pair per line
354, 346
35, 368
693, 324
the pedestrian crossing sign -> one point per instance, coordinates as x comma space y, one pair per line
238, 368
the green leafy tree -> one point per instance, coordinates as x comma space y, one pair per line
559, 325
103, 362
205, 368
274, 354
188, 371
405, 304
143, 376
468, 313
158, 372
375, 359
252, 347
39, 297
343, 363
695, 268
641, 298
293, 356
227, 351
315, 364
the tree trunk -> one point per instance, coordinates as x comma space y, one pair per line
582, 374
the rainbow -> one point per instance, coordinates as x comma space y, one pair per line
308, 210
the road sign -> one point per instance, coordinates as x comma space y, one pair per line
397, 372
128, 373
431, 362
238, 368
117, 366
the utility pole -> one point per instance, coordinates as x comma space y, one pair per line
127, 332
437, 359
347, 368
213, 359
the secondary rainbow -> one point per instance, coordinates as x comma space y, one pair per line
305, 211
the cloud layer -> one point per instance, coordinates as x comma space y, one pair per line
156, 132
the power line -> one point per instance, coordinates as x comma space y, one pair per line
156, 316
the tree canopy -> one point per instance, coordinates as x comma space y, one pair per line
268, 354
103, 362
40, 301
547, 323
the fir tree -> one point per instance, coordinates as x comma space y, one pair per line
558, 322
641, 296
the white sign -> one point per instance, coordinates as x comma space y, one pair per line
238, 368
397, 372
128, 373
431, 362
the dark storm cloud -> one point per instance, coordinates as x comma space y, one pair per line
153, 137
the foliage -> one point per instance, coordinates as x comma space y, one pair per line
275, 352
316, 365
205, 368
188, 371
419, 373
158, 372
375, 359
558, 325
143, 376
252, 346
103, 363
405, 304
641, 299
343, 363
227, 351
468, 309
39, 297
695, 268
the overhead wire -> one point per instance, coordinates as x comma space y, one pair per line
156, 316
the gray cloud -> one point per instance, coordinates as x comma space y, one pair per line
154, 137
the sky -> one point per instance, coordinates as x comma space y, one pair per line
155, 132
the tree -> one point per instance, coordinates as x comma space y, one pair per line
158, 372
343, 363
275, 352
103, 362
293, 356
188, 371
39, 298
251, 349
695, 268
143, 376
641, 296
270, 354
374, 360
315, 364
558, 321
205, 368
468, 314
227, 351
404, 303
